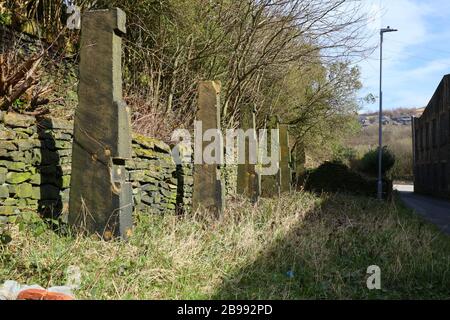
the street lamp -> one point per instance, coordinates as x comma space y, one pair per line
380, 124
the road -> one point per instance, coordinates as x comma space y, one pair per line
434, 210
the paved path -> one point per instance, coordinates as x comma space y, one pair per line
434, 210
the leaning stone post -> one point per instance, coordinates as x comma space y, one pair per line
209, 190
285, 159
270, 184
248, 181
100, 194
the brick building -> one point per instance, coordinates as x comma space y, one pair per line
431, 144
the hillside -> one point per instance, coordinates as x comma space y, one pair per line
396, 117
396, 136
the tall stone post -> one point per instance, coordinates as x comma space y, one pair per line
100, 195
270, 184
285, 159
299, 162
209, 189
248, 181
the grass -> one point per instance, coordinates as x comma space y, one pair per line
399, 141
327, 243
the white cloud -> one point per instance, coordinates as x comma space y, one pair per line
411, 70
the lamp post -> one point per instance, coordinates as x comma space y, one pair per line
380, 124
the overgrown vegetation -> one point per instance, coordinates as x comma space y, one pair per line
338, 177
369, 163
288, 58
299, 246
397, 139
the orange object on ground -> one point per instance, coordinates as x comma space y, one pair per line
40, 294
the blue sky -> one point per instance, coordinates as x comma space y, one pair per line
415, 58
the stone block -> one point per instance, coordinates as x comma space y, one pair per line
24, 190
65, 183
17, 177
11, 202
8, 210
7, 134
16, 120
4, 191
27, 144
13, 165
7, 145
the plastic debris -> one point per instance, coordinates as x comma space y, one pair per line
12, 290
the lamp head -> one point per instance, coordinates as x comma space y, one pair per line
388, 29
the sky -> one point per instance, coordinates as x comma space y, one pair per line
415, 58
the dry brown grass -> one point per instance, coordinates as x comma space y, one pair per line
399, 141
326, 242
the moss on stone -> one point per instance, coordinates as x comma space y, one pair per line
17, 177
65, 182
16, 120
8, 210
24, 190
4, 192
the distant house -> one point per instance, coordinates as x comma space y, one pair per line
386, 120
403, 120
364, 121
431, 140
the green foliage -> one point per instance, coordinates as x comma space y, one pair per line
5, 18
343, 154
397, 138
337, 177
265, 54
403, 167
369, 162
5, 234
325, 244
31, 221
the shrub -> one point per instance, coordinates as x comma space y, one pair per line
337, 177
344, 154
369, 162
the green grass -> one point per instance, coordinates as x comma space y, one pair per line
328, 242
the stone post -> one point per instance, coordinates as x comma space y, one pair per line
285, 159
100, 195
270, 184
299, 163
209, 190
248, 181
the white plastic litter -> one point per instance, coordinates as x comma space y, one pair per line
11, 289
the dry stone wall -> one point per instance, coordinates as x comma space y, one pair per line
35, 168
35, 157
